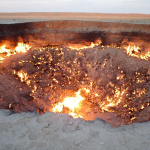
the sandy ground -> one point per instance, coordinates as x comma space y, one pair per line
31, 131
7, 18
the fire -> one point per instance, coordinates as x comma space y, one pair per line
51, 73
72, 103
79, 47
135, 51
114, 101
20, 48
22, 75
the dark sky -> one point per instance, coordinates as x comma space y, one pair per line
101, 6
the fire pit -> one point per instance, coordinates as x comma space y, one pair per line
85, 69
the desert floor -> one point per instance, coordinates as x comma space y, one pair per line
31, 131
7, 18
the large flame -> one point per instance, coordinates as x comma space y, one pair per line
72, 103
20, 48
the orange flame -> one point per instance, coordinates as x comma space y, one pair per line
112, 102
22, 75
79, 47
20, 48
135, 52
70, 102
73, 103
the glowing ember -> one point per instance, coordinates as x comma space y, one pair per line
20, 48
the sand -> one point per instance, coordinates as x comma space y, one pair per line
31, 131
7, 18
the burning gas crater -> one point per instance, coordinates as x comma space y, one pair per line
95, 81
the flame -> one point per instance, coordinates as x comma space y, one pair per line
134, 51
79, 47
92, 96
113, 102
120, 77
22, 75
72, 103
20, 48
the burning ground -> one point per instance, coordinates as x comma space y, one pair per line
111, 83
